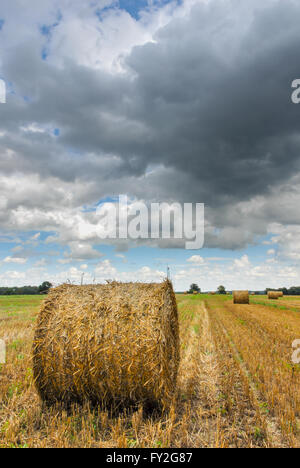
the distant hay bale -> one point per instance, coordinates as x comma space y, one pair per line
274, 294
240, 297
195, 292
115, 344
253, 294
212, 293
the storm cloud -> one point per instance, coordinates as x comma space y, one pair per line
200, 111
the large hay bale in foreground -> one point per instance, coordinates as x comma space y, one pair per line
240, 297
274, 294
115, 344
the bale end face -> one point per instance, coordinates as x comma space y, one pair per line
240, 297
115, 344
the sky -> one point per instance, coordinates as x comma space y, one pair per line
166, 101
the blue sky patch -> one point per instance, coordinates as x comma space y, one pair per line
46, 31
133, 7
45, 53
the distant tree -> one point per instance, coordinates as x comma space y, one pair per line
26, 290
194, 288
44, 288
221, 290
22, 290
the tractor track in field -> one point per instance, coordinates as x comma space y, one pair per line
215, 424
274, 434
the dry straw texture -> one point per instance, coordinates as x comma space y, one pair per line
274, 294
240, 297
115, 344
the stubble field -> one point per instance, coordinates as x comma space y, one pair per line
237, 386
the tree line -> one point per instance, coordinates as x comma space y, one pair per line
195, 288
293, 291
26, 290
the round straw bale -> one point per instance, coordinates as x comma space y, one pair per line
240, 297
115, 344
274, 294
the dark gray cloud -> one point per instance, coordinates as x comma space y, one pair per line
226, 120
203, 114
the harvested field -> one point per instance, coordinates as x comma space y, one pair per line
236, 386
285, 302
